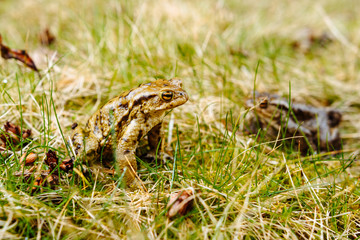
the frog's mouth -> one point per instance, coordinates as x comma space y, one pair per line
184, 96
181, 98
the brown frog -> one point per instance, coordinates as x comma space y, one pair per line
114, 131
313, 129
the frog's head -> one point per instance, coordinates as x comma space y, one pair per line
160, 95
267, 106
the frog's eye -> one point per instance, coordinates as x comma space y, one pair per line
263, 103
167, 95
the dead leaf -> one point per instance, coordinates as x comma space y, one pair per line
307, 39
20, 55
11, 135
28, 158
43, 178
52, 161
38, 183
46, 37
180, 203
53, 180
26, 133
74, 125
67, 165
10, 127
239, 52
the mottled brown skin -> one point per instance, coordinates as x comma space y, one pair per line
115, 130
310, 127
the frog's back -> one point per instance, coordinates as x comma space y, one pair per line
112, 116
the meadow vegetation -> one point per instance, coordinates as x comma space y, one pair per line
223, 50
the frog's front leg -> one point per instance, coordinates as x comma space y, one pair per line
125, 152
84, 145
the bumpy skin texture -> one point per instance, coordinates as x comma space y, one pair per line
315, 128
115, 130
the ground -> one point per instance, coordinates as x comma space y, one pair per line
223, 50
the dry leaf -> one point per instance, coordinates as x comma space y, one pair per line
240, 52
26, 133
39, 181
11, 134
51, 175
20, 55
306, 40
46, 37
10, 127
67, 165
53, 180
74, 125
180, 203
52, 161
28, 159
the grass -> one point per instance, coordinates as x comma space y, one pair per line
245, 189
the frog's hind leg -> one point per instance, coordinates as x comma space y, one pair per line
82, 148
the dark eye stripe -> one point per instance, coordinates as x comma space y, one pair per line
142, 99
